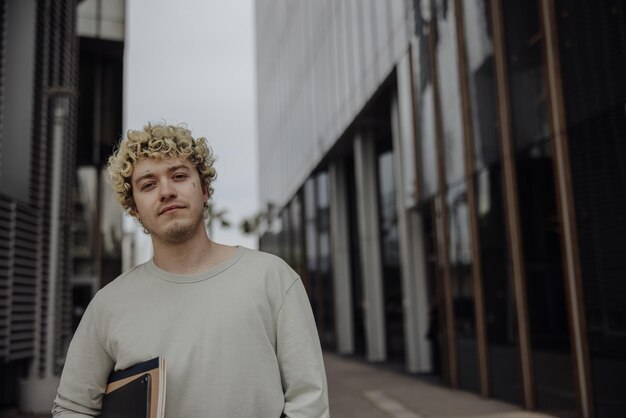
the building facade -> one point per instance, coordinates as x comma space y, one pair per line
60, 111
448, 178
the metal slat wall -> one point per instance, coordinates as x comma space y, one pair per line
7, 232
56, 82
23, 306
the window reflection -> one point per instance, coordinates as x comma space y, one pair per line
499, 303
425, 105
311, 242
295, 212
449, 92
540, 225
394, 311
481, 82
324, 266
460, 259
594, 93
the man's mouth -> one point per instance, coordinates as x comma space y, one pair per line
170, 208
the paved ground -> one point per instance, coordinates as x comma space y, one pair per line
361, 390
357, 389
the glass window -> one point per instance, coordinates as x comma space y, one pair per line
324, 263
539, 220
425, 108
295, 212
481, 82
593, 66
499, 297
499, 305
311, 243
449, 92
392, 282
460, 258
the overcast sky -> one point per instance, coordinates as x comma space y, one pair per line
192, 61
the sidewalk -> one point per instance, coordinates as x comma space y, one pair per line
361, 390
357, 389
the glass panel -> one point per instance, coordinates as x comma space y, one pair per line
394, 312
325, 292
593, 62
425, 108
540, 224
283, 236
481, 81
433, 281
460, 255
84, 222
524, 55
449, 92
311, 243
500, 315
358, 297
296, 233
549, 328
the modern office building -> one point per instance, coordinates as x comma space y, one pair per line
450, 183
60, 108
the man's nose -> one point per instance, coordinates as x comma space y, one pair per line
167, 191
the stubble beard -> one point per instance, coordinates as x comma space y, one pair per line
180, 231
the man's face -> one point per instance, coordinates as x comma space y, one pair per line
169, 198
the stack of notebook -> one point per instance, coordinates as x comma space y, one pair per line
136, 392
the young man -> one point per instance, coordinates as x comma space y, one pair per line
234, 324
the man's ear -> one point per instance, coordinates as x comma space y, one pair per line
132, 211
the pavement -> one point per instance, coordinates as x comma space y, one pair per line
358, 389
361, 390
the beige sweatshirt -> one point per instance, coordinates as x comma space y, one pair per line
239, 341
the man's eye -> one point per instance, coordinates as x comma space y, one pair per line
147, 186
180, 176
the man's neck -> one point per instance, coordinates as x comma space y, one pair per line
195, 255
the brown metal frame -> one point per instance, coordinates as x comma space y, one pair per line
441, 218
511, 203
477, 278
569, 240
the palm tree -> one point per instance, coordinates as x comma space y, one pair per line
215, 215
261, 220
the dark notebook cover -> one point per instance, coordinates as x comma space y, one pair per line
136, 392
128, 401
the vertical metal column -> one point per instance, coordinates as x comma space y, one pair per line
441, 219
510, 196
340, 244
565, 201
369, 238
58, 137
477, 277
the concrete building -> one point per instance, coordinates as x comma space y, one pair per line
60, 110
448, 178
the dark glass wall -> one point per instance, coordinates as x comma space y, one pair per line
392, 282
459, 241
297, 235
325, 290
460, 260
539, 219
358, 297
592, 42
500, 318
425, 108
312, 261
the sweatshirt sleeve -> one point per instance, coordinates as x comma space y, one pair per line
300, 357
85, 373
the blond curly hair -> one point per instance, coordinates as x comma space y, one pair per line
157, 142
